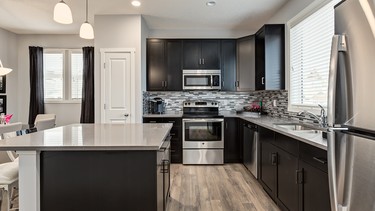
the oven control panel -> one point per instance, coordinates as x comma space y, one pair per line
206, 103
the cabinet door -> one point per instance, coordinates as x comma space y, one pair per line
315, 190
192, 54
287, 187
232, 144
174, 65
270, 57
228, 65
210, 54
156, 69
268, 167
260, 60
246, 64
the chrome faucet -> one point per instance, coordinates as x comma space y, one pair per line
322, 119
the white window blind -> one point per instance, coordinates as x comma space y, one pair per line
76, 75
53, 75
63, 70
310, 48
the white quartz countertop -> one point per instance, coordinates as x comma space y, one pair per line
268, 122
80, 137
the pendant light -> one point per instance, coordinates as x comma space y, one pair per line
4, 70
62, 13
86, 31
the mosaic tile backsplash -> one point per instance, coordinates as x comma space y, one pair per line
229, 101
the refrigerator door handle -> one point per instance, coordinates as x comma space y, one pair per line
338, 45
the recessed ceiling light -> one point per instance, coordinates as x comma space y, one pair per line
211, 3
136, 3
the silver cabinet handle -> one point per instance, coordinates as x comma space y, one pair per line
200, 61
203, 61
262, 80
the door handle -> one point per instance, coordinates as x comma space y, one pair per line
203, 61
262, 80
200, 61
299, 176
274, 159
126, 115
320, 160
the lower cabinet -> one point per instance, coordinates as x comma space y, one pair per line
176, 133
232, 140
294, 174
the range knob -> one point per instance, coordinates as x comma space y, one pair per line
212, 103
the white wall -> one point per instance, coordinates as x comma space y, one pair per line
120, 31
8, 56
288, 11
65, 113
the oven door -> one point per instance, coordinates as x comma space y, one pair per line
203, 133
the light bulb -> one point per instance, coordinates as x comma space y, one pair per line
86, 31
62, 13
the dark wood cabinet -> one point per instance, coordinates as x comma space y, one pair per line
245, 73
228, 65
270, 57
293, 173
176, 136
314, 191
164, 66
201, 54
232, 141
268, 161
287, 187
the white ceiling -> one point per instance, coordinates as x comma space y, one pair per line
35, 16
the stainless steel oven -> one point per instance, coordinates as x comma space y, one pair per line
202, 133
201, 79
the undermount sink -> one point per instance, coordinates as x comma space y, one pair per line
297, 127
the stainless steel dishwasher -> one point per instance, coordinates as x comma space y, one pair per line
250, 148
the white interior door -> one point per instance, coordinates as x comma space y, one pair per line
117, 87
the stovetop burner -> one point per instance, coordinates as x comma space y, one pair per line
201, 109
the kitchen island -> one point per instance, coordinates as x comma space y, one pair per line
93, 167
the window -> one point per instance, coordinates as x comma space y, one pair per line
63, 71
310, 35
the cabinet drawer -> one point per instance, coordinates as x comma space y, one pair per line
314, 156
286, 143
152, 120
174, 121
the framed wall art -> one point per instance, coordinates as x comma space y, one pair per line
3, 104
2, 84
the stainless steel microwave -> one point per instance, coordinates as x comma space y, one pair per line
201, 79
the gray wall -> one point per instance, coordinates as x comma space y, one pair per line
288, 11
121, 31
8, 56
65, 113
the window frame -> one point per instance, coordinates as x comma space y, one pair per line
67, 76
309, 10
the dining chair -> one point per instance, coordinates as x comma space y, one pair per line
44, 116
5, 132
8, 184
45, 124
45, 121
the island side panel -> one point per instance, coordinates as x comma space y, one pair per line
28, 177
98, 180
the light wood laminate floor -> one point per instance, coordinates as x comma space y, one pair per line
216, 187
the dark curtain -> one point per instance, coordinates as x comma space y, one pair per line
36, 83
87, 106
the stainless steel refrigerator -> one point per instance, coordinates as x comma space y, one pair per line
351, 107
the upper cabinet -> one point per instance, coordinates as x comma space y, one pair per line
228, 65
245, 64
201, 54
164, 65
270, 57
